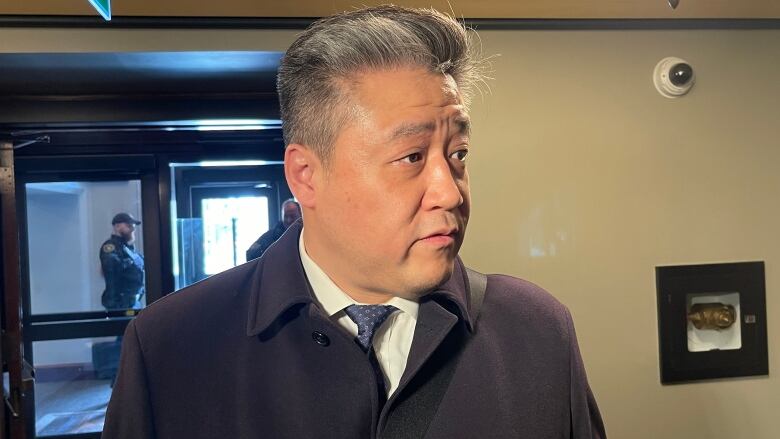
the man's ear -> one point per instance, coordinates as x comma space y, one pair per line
300, 167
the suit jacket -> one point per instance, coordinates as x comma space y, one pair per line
248, 354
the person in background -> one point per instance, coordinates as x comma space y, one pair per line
122, 266
291, 212
123, 271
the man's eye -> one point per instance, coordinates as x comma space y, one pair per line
460, 154
412, 158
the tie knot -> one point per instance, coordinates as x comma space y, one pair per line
368, 319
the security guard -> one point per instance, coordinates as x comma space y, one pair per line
123, 267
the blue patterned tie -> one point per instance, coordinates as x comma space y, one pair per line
368, 319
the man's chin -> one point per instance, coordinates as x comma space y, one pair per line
427, 280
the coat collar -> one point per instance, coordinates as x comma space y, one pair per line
279, 283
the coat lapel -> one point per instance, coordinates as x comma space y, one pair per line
443, 325
279, 282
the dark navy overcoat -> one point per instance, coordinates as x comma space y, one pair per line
248, 354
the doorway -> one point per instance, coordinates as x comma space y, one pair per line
220, 208
198, 217
65, 210
104, 133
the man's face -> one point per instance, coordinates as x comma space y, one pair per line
290, 214
126, 231
395, 201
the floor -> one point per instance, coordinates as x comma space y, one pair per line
68, 407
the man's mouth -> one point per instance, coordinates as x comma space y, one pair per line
441, 238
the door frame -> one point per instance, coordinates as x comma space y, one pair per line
98, 150
65, 326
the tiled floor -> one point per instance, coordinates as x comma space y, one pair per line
67, 407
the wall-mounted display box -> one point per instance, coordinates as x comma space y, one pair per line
711, 321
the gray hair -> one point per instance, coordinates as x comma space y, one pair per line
315, 72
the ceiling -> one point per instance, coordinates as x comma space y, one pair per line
138, 73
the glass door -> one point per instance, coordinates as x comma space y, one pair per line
218, 210
85, 249
233, 218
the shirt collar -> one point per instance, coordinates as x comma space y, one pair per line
280, 283
333, 299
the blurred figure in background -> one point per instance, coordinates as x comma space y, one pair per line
291, 212
122, 266
123, 270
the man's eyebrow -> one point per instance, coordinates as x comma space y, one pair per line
464, 125
412, 129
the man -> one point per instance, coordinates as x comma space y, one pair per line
122, 265
123, 271
291, 212
362, 322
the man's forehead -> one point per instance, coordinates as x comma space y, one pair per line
394, 103
450, 88
408, 85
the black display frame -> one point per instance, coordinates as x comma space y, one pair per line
674, 284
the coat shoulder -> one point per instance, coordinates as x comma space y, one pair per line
513, 291
515, 301
202, 303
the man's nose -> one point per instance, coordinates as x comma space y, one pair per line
443, 190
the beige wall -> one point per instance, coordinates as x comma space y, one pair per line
585, 179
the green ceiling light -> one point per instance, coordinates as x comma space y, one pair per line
103, 7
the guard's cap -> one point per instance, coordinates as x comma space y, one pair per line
124, 218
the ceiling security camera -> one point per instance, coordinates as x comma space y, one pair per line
673, 77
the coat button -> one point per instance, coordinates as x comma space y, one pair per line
320, 338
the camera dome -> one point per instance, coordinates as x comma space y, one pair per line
673, 77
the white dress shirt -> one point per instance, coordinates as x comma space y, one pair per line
392, 340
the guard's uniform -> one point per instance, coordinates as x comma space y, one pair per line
123, 269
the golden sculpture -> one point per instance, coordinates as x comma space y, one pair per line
715, 316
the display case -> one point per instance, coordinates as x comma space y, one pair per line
711, 321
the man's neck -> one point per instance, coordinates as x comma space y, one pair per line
357, 294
